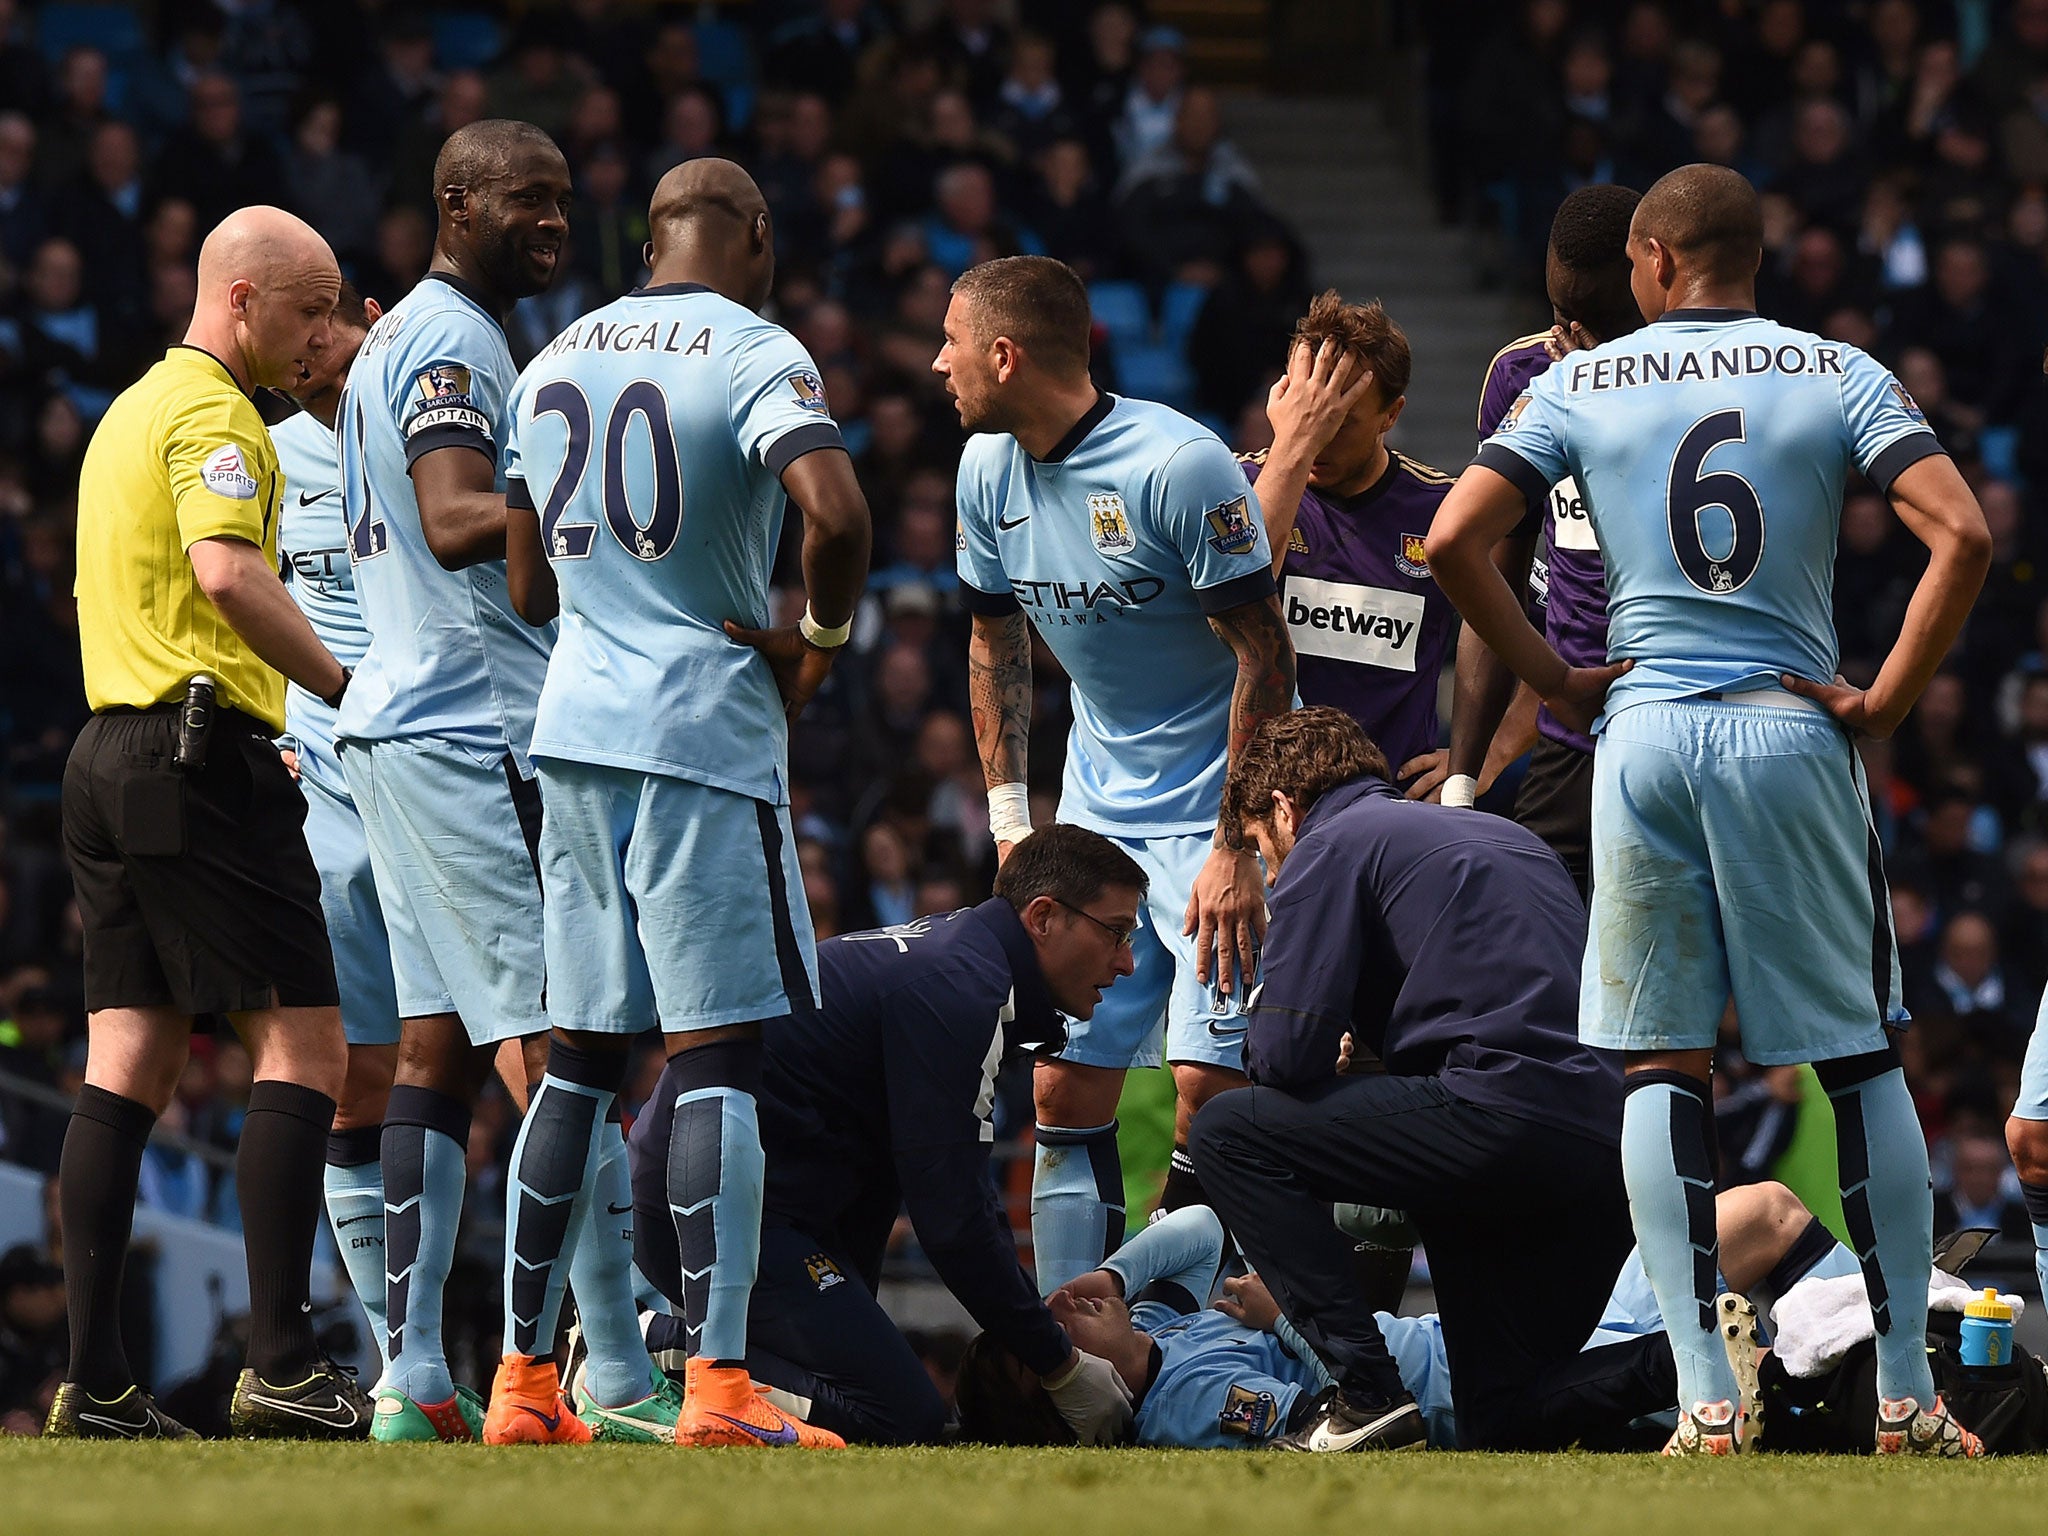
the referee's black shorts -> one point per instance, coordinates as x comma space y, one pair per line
195, 889
1556, 803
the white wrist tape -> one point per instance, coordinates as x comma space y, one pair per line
1009, 813
1459, 789
818, 635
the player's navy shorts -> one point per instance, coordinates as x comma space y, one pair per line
452, 846
1160, 1011
1734, 854
195, 890
669, 902
1556, 803
348, 895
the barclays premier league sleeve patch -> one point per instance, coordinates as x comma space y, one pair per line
1249, 1413
443, 398
226, 473
810, 392
1231, 529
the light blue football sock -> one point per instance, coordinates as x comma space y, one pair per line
1888, 1205
2037, 1208
618, 1370
1666, 1160
1077, 1202
715, 1179
424, 1177
553, 1163
355, 1214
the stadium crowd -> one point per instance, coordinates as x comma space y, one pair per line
892, 155
1900, 147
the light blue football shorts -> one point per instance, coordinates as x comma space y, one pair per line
1160, 1012
355, 921
452, 845
669, 903
1734, 855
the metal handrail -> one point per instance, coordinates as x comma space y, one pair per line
12, 1085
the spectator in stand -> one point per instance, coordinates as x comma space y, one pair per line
1980, 1191
1970, 977
1069, 210
65, 133
1152, 102
23, 216
691, 127
605, 246
216, 163
822, 52
1181, 205
101, 215
330, 188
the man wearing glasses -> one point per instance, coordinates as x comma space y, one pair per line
880, 1100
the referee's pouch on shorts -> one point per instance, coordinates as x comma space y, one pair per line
149, 795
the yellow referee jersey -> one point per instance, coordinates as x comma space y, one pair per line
180, 456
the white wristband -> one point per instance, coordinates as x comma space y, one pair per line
1009, 812
1459, 789
818, 635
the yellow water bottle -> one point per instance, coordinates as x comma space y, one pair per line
1987, 1331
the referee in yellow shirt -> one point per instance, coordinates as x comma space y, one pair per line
186, 846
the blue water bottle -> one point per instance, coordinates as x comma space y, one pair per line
1987, 1331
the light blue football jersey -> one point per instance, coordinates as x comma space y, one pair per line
312, 548
652, 435
1222, 1385
1711, 450
448, 658
1118, 546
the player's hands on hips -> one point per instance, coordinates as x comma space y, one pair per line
291, 762
1308, 403
1577, 704
799, 666
1227, 916
1422, 777
1246, 1298
1092, 1398
1849, 705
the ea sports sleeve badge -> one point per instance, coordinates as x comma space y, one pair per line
225, 472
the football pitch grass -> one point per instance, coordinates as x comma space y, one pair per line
397, 1490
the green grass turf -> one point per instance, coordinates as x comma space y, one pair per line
613, 1491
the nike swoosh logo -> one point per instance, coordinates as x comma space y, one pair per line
1006, 524
121, 1427
338, 1413
786, 1435
307, 501
617, 1210
552, 1420
1230, 1033
351, 1221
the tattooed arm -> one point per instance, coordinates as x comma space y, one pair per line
999, 699
1227, 912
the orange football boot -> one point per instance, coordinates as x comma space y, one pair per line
722, 1407
528, 1406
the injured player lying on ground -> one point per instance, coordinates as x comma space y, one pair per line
1235, 1374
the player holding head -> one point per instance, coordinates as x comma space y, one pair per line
1732, 844
312, 545
436, 727
1346, 517
1587, 272
1124, 534
660, 434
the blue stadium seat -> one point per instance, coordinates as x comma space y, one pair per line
466, 39
1178, 311
113, 29
1148, 371
1123, 311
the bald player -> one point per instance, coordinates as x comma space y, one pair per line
659, 437
186, 844
1733, 850
434, 735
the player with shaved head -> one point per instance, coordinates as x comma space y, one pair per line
196, 894
435, 732
652, 448
1732, 843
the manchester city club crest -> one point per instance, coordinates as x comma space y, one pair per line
1412, 556
1109, 526
1231, 529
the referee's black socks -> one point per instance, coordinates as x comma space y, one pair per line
96, 1200
279, 1169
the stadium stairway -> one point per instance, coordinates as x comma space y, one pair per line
1354, 189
